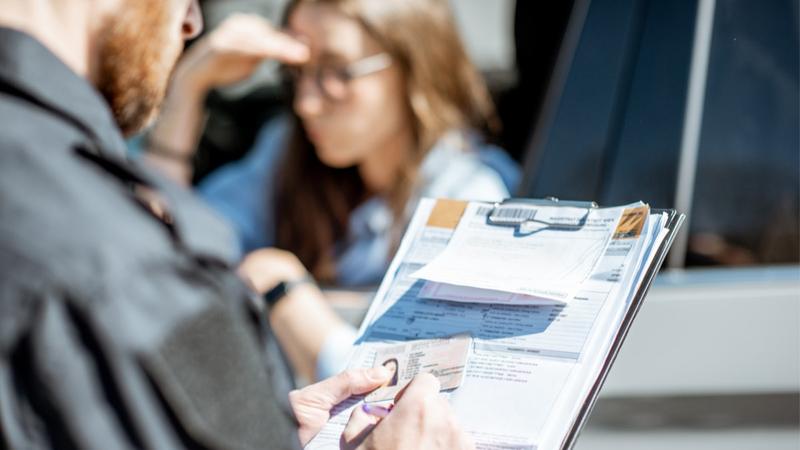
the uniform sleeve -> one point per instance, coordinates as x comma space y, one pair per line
53, 387
79, 376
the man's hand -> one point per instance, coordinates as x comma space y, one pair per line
233, 51
312, 405
421, 418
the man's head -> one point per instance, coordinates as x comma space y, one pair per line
126, 48
134, 49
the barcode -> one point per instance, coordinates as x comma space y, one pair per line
484, 210
507, 213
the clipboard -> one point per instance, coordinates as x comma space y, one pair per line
448, 214
673, 225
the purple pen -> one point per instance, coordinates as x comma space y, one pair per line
376, 410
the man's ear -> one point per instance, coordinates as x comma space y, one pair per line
193, 21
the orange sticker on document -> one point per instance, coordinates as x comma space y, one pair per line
632, 222
447, 213
445, 358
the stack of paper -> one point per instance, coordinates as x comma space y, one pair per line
542, 302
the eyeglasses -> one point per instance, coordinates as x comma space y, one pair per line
332, 81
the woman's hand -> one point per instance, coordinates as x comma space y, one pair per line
266, 267
303, 319
229, 54
233, 51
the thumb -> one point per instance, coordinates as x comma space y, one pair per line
352, 382
422, 386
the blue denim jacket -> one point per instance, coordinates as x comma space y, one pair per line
457, 167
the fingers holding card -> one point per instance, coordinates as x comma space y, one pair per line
444, 358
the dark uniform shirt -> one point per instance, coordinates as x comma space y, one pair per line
118, 329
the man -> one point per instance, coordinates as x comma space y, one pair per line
122, 322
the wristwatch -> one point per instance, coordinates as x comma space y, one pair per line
282, 289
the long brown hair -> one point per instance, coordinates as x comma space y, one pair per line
314, 201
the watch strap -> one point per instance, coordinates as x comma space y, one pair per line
283, 288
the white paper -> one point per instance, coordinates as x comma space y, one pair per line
537, 260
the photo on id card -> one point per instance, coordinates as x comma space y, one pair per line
444, 358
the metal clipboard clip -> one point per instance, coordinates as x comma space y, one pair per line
506, 213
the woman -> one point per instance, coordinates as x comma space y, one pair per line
386, 109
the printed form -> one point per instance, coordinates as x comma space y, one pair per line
548, 258
530, 367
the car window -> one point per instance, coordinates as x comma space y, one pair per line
746, 196
612, 129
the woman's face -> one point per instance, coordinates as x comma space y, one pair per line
371, 111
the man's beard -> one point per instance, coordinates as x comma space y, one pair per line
137, 52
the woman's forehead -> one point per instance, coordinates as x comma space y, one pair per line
328, 32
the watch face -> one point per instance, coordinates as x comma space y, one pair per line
278, 292
283, 287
